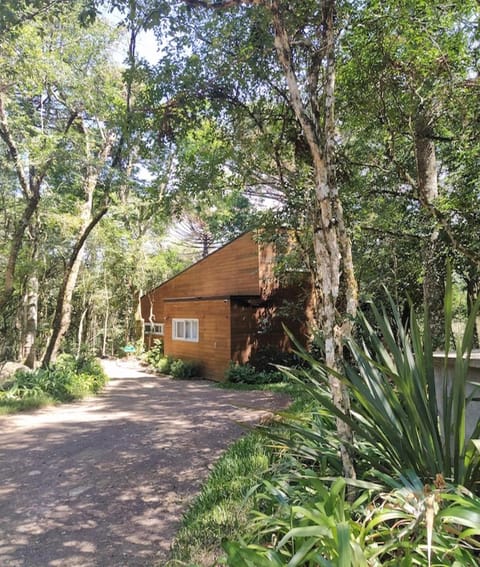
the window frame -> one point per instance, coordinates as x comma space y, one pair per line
184, 322
154, 329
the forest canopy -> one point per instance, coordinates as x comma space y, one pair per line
355, 124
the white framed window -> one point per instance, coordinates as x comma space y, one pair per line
185, 330
153, 328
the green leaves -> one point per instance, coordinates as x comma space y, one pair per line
304, 520
68, 380
411, 406
320, 531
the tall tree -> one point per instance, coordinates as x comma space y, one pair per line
106, 135
59, 108
404, 64
303, 36
34, 124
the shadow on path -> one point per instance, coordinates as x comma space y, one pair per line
104, 482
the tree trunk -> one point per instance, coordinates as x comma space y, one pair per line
80, 332
434, 254
9, 305
473, 290
205, 244
15, 247
63, 310
338, 301
30, 186
105, 322
30, 322
30, 182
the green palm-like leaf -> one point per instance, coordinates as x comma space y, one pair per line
396, 401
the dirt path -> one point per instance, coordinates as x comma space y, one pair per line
104, 482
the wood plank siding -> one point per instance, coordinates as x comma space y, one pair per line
243, 330
231, 270
212, 350
238, 301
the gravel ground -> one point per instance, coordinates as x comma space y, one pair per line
104, 482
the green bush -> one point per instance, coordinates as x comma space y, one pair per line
164, 365
266, 358
156, 353
66, 380
241, 373
184, 369
248, 374
92, 367
303, 520
395, 407
418, 511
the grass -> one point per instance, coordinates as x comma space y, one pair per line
300, 398
281, 387
221, 510
9, 406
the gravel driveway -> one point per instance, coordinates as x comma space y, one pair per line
104, 482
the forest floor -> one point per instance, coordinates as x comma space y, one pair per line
104, 482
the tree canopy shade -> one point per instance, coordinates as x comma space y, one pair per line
327, 107
405, 68
342, 120
353, 123
300, 48
62, 110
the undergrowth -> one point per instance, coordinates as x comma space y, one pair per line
416, 498
67, 380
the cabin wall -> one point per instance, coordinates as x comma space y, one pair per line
239, 301
213, 347
267, 279
231, 270
243, 331
255, 327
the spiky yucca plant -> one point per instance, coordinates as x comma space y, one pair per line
396, 407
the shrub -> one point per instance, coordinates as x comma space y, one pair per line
156, 353
27, 384
395, 407
164, 364
247, 374
302, 520
91, 366
241, 373
183, 369
64, 381
266, 358
419, 513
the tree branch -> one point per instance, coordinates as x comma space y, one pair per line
6, 136
393, 233
222, 4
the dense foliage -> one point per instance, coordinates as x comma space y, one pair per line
355, 124
201, 141
249, 374
416, 498
67, 380
175, 367
185, 369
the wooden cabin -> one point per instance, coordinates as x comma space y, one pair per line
228, 306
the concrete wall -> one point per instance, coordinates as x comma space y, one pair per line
473, 409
